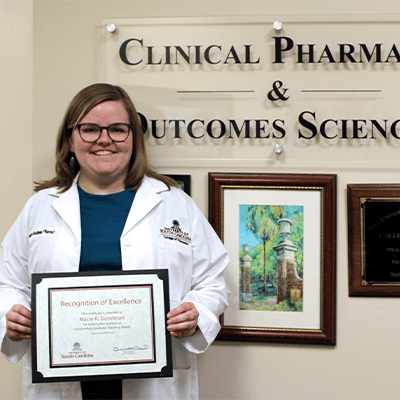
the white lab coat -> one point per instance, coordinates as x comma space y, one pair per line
196, 274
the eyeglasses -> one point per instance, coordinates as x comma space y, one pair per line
118, 132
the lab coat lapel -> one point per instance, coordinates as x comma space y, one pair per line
67, 207
146, 199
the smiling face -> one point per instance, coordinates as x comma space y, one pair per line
104, 164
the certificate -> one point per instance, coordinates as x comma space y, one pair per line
100, 325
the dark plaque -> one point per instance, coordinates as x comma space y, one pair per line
374, 239
382, 240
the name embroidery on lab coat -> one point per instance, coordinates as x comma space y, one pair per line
43, 232
175, 233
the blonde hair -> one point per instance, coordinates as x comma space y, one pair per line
80, 105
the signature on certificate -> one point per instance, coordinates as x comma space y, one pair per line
131, 350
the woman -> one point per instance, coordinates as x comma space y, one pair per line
106, 208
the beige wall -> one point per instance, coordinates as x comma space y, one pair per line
16, 136
65, 55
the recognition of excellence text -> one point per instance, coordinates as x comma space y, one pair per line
110, 302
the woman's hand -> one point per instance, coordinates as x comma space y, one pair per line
19, 323
182, 320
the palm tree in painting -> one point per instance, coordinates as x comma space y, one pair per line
261, 222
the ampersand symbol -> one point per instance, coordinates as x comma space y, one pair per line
275, 90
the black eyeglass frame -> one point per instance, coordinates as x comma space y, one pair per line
130, 128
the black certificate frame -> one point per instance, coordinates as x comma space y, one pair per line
154, 282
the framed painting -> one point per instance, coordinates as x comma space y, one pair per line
183, 182
280, 233
374, 239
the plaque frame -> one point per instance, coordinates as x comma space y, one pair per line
357, 194
183, 182
282, 187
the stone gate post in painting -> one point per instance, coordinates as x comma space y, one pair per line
290, 285
245, 275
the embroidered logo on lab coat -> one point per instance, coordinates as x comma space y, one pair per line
175, 233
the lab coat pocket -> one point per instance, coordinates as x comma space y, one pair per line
175, 247
180, 356
177, 258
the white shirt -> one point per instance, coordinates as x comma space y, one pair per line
196, 274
